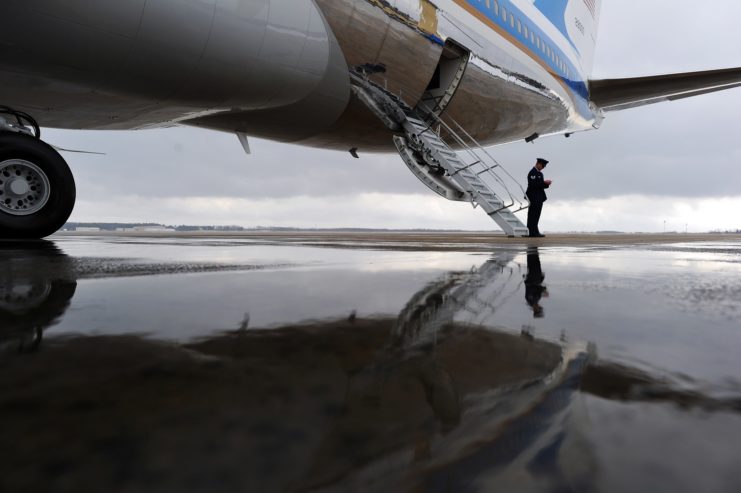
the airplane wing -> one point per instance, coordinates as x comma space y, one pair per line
621, 94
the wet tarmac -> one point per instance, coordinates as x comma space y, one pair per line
370, 363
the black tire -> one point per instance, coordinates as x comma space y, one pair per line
62, 191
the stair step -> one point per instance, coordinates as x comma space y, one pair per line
464, 176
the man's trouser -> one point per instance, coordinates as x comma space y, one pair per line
533, 217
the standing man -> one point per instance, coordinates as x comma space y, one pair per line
536, 186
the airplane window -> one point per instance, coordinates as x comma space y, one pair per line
519, 26
504, 14
532, 37
526, 32
512, 20
496, 7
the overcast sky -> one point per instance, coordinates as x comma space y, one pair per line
678, 162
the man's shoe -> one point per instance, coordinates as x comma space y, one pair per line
537, 236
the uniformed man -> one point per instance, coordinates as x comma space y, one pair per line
536, 186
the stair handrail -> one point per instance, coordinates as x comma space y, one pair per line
480, 161
485, 152
470, 151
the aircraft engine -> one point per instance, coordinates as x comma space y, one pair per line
140, 63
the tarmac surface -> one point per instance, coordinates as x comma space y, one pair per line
370, 362
460, 241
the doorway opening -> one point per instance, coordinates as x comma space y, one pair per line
445, 81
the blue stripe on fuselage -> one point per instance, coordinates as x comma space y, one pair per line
571, 76
555, 10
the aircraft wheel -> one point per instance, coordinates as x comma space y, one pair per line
37, 189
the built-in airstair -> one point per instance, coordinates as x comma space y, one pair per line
425, 140
473, 175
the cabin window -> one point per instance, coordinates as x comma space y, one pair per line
496, 7
526, 32
504, 14
519, 26
532, 37
512, 20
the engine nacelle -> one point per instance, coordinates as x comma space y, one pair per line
138, 63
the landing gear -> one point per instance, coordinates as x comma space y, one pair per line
37, 190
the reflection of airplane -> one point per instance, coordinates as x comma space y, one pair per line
419, 402
424, 77
37, 282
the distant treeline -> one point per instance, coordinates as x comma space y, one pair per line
71, 226
119, 226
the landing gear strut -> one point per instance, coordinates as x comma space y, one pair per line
37, 190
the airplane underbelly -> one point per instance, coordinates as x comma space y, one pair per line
492, 108
138, 63
276, 69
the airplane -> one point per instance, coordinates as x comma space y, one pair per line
437, 81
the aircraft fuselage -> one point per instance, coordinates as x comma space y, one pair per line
279, 69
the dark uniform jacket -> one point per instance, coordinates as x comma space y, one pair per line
536, 186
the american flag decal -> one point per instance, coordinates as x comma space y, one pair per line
590, 5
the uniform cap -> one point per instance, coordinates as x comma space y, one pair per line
542, 161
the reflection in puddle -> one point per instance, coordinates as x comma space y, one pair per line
434, 398
534, 288
37, 282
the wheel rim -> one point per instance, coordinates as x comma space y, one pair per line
23, 295
24, 187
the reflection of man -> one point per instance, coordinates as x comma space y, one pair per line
536, 186
534, 289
